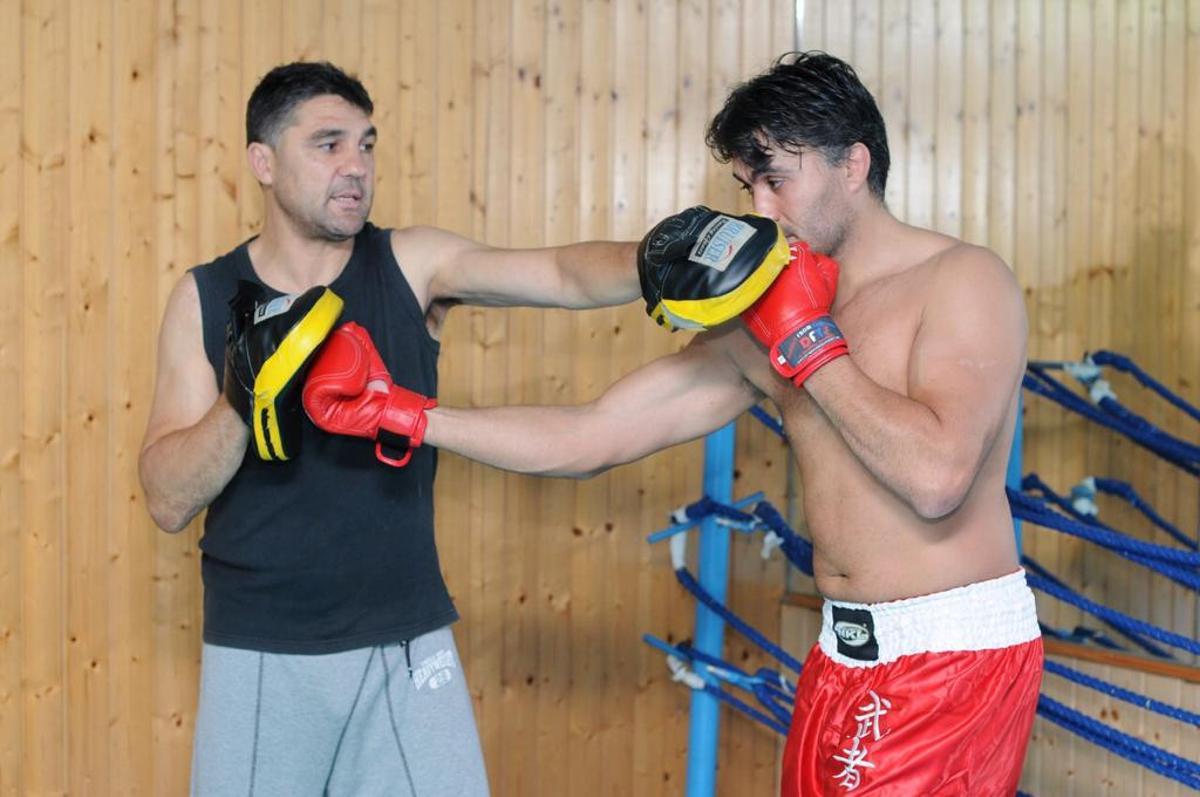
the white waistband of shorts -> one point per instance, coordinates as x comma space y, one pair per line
998, 613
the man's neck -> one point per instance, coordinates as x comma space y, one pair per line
292, 262
871, 250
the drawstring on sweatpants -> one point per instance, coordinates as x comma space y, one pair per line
407, 656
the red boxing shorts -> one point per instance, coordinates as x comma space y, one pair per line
927, 696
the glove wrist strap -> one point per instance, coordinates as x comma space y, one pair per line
402, 427
807, 347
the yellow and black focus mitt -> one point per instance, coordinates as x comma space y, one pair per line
269, 345
700, 268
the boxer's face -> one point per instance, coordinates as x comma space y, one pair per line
324, 168
804, 193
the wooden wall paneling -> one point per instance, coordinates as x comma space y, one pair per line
177, 594
134, 290
526, 198
636, 491
867, 49
838, 30
836, 34
379, 70
342, 32
947, 164
86, 423
656, 594
1102, 261
977, 98
922, 114
1002, 130
693, 165
1072, 144
1177, 495
453, 167
1125, 584
893, 97
493, 530
1182, 24
221, 145
563, 638
1024, 61
12, 258
810, 25
1038, 277
754, 585
404, 131
1093, 770
1149, 273
495, 533
303, 33
1189, 284
263, 47
45, 190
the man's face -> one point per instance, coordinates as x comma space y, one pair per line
323, 169
803, 193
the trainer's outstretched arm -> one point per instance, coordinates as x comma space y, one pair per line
668, 401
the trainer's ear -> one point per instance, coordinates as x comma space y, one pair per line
857, 166
262, 162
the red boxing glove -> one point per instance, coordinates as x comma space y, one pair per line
792, 318
349, 391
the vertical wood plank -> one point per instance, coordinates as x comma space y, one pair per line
922, 115
630, 485
947, 162
86, 436
132, 536
44, 75
976, 119
12, 111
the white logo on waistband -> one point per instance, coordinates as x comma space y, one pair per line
852, 634
854, 757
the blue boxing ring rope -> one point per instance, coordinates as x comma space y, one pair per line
719, 517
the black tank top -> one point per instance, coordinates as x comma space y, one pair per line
332, 550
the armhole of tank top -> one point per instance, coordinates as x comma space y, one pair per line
209, 281
412, 307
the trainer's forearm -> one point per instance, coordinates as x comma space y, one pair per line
599, 273
545, 441
182, 472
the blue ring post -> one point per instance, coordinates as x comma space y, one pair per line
710, 629
1013, 478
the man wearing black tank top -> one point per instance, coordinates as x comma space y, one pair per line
328, 665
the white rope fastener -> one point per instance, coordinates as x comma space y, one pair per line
1099, 390
770, 542
1086, 371
678, 546
681, 674
1083, 497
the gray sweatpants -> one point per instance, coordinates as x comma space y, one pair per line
352, 723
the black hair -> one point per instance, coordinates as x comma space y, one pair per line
271, 104
807, 99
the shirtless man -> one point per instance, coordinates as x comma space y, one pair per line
925, 677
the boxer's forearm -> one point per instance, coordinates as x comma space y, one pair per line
183, 471
929, 462
545, 441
